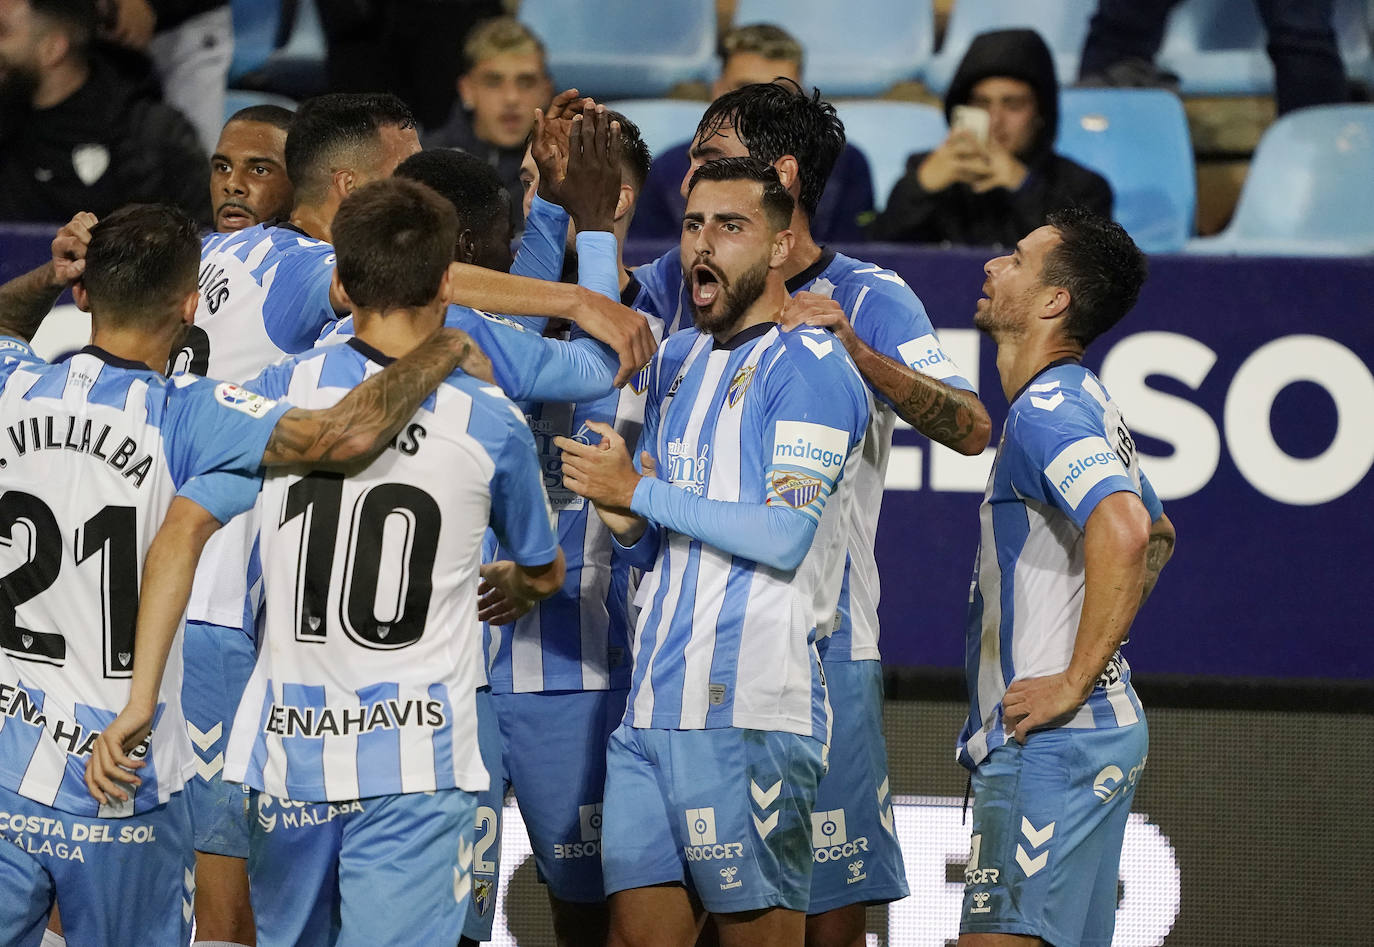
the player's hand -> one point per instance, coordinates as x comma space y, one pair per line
550, 144
600, 472
1003, 171
1037, 702
69, 248
618, 326
960, 159
590, 191
109, 770
497, 602
474, 361
813, 309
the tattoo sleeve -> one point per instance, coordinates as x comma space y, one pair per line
369, 416
25, 300
1161, 547
947, 415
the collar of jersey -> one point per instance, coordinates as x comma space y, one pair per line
630, 293
811, 272
1066, 360
114, 360
745, 335
369, 352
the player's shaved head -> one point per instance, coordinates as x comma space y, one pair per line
393, 242
141, 263
340, 130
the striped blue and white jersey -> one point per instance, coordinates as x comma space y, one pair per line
264, 293
579, 637
770, 419
1064, 448
370, 654
94, 451
891, 320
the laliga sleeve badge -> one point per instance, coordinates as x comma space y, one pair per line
241, 399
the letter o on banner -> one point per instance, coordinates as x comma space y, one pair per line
1275, 366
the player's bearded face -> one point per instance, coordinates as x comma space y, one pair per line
718, 298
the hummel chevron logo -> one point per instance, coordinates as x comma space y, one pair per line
764, 798
1049, 404
764, 826
818, 349
885, 808
206, 739
1036, 837
1031, 865
462, 884
464, 855
208, 769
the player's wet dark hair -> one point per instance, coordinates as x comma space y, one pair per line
777, 202
777, 118
393, 240
471, 185
141, 259
634, 153
273, 115
1101, 267
329, 126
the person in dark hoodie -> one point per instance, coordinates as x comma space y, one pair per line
985, 194
79, 133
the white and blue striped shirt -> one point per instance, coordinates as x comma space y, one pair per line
1064, 448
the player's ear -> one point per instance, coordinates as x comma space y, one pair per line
783, 242
467, 247
624, 202
450, 280
343, 182
188, 307
338, 297
1056, 302
789, 173
81, 297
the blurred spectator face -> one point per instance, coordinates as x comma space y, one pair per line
745, 68
248, 182
502, 93
21, 36
1013, 111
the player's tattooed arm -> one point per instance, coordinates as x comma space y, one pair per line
1157, 554
945, 414
369, 416
27, 299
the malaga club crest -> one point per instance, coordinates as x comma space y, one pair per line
481, 895
795, 489
739, 385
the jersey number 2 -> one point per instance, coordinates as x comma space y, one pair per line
28, 528
399, 512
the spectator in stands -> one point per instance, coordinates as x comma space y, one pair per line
248, 182
76, 134
752, 54
992, 193
1125, 35
504, 81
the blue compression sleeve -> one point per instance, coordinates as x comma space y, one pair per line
770, 535
644, 551
598, 267
579, 370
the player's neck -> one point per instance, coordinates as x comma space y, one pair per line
805, 249
767, 308
396, 332
315, 219
136, 346
1020, 359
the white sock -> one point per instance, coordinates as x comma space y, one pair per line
51, 939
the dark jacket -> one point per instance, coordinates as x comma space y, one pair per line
998, 217
848, 196
109, 144
458, 133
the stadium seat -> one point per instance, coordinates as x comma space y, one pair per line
256, 23
1310, 178
1062, 23
297, 68
1217, 47
888, 133
609, 48
235, 99
1138, 140
853, 47
662, 123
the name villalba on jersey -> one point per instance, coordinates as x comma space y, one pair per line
38, 434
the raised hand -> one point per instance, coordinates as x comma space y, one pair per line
550, 144
590, 190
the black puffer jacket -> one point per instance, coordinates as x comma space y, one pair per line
999, 217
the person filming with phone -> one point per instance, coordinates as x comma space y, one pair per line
996, 176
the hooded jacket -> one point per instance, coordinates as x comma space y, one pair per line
999, 217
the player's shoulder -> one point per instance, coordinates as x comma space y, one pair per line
492, 415
1060, 399
846, 279
815, 358
15, 354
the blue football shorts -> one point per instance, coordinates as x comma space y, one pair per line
854, 845
491, 802
120, 881
1048, 821
555, 756
385, 870
726, 812
218, 662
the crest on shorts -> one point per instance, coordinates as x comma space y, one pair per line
90, 162
795, 489
739, 385
481, 895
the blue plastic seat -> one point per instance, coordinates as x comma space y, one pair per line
297, 68
256, 23
888, 133
1062, 23
235, 99
614, 48
1138, 140
1217, 47
853, 47
662, 123
1309, 190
